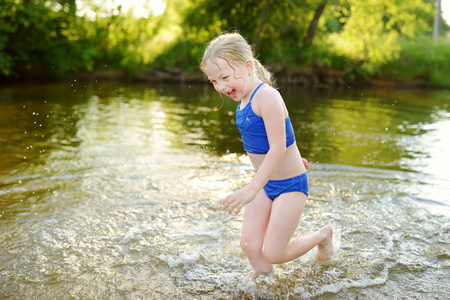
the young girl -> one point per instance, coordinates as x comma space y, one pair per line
274, 200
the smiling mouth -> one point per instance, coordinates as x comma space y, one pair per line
231, 93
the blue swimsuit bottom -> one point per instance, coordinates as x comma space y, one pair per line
275, 188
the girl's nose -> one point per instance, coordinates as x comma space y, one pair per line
220, 86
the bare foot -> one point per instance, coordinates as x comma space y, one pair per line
325, 248
257, 274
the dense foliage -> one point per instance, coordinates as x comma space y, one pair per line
362, 39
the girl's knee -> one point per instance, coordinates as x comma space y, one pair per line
250, 247
274, 256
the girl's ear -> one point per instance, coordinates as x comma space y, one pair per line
249, 65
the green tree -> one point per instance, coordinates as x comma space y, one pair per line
356, 37
369, 31
275, 27
31, 36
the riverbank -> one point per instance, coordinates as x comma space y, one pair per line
300, 77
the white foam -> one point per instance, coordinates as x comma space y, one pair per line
132, 232
185, 259
341, 284
203, 228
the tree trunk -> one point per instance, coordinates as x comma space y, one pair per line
307, 41
262, 20
437, 20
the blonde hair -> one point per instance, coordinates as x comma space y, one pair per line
233, 48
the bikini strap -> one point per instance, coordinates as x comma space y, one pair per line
251, 97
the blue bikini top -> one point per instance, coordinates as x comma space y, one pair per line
253, 131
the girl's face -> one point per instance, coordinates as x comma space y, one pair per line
230, 81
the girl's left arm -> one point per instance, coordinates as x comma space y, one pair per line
272, 110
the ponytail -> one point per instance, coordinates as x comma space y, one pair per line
262, 73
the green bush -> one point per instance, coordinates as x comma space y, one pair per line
422, 58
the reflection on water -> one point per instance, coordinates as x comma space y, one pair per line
112, 191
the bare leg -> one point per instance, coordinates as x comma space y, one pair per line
280, 247
256, 219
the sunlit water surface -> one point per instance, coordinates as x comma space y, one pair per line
112, 191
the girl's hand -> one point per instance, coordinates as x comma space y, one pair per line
238, 200
306, 163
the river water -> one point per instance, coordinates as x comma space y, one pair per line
113, 190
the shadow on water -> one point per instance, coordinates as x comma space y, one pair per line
112, 190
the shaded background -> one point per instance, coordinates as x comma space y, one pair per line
305, 42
